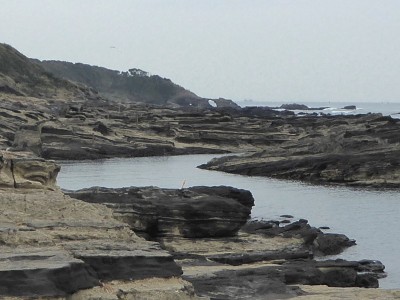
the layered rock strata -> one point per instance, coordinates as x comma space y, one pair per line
22, 170
192, 213
53, 245
59, 247
354, 150
260, 265
251, 261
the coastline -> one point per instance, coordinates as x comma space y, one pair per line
84, 230
77, 136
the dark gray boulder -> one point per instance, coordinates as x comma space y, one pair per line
192, 213
332, 243
43, 272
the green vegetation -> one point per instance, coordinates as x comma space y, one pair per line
134, 85
21, 76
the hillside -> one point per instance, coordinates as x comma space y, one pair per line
132, 86
24, 77
19, 76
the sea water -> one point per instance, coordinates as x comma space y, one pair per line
370, 217
337, 108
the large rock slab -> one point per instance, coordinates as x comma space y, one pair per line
35, 271
53, 245
268, 280
194, 212
114, 260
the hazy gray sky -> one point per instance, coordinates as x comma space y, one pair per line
266, 50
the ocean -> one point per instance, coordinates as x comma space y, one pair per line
336, 108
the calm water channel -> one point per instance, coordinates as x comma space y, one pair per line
369, 217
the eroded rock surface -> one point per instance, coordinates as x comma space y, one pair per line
353, 150
195, 212
358, 150
56, 247
260, 260
257, 264
21, 170
53, 245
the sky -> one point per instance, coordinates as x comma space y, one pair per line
263, 50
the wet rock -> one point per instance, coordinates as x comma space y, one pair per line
367, 281
253, 226
196, 212
342, 277
263, 280
286, 216
294, 106
367, 265
351, 107
251, 257
314, 239
332, 243
247, 283
338, 273
299, 229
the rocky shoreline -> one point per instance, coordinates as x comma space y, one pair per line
197, 240
103, 242
224, 261
153, 243
359, 150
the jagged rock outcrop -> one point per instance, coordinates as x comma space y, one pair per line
196, 212
265, 264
